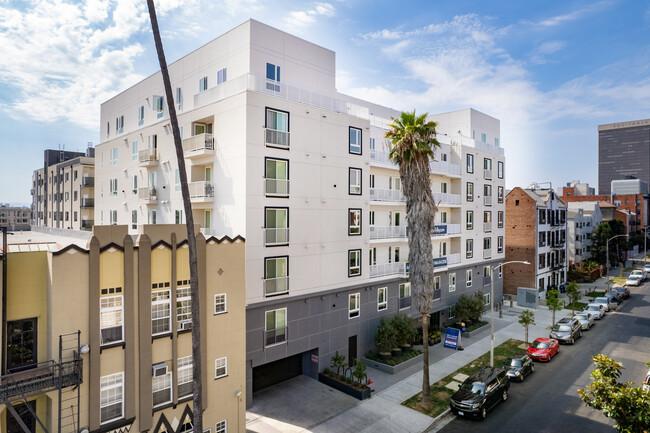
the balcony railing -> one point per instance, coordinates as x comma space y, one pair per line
487, 200
390, 232
446, 229
201, 191
487, 227
487, 254
378, 194
273, 137
276, 236
443, 198
276, 286
404, 302
198, 145
43, 377
486, 281
148, 157
88, 181
384, 269
444, 168
275, 336
87, 224
87, 203
487, 174
276, 187
382, 157
148, 195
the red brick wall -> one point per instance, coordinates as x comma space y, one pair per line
630, 205
521, 241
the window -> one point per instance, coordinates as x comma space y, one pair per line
483, 137
276, 223
134, 151
108, 129
382, 301
111, 397
184, 308
185, 387
469, 248
158, 105
500, 194
203, 84
354, 305
220, 367
114, 156
221, 75
487, 243
177, 180
396, 254
487, 164
436, 287
220, 303
404, 295
354, 222
354, 263
487, 190
371, 217
179, 102
160, 311
119, 124
452, 282
140, 115
134, 184
372, 256
113, 187
134, 219
161, 385
277, 177
468, 278
112, 214
470, 163
67, 196
496, 141
469, 219
276, 326
372, 181
487, 271
499, 168
111, 318
277, 128
276, 275
486, 298
355, 141
272, 74
152, 217
542, 239
221, 427
487, 216
500, 219
354, 177
470, 191
443, 187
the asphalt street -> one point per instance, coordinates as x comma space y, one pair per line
547, 401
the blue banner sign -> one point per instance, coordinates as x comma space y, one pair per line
439, 261
452, 338
440, 229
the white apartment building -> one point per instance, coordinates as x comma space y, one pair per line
275, 154
582, 220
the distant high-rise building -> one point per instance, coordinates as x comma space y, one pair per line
623, 152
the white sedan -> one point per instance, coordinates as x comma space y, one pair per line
597, 310
638, 273
646, 268
633, 280
586, 320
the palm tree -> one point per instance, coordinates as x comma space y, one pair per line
412, 147
197, 403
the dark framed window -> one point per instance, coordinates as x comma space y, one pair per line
470, 163
356, 138
500, 169
354, 222
469, 220
354, 181
470, 191
500, 194
354, 263
469, 248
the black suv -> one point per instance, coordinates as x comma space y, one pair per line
567, 330
480, 392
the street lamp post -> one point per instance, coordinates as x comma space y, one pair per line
607, 258
526, 262
645, 248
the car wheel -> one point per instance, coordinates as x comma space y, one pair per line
571, 341
504, 396
483, 413
580, 334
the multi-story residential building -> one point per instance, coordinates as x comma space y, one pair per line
275, 153
99, 338
15, 218
63, 193
623, 151
582, 220
577, 188
536, 230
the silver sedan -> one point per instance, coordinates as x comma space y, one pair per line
586, 320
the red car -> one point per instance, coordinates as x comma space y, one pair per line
543, 349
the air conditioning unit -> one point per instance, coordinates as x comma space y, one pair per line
159, 370
186, 325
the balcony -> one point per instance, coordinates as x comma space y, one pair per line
394, 195
486, 281
487, 254
487, 174
275, 138
444, 168
445, 229
487, 200
87, 224
276, 236
381, 157
487, 227
276, 286
198, 146
275, 336
87, 203
148, 157
385, 269
42, 378
446, 199
88, 182
201, 192
390, 232
276, 187
404, 302
147, 195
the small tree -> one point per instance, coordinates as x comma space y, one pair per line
338, 362
477, 306
553, 303
527, 318
628, 405
573, 292
404, 330
464, 309
359, 371
385, 337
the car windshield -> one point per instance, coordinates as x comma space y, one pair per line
562, 328
602, 300
477, 388
539, 345
581, 316
513, 362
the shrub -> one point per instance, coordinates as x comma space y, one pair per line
385, 337
359, 371
338, 362
404, 330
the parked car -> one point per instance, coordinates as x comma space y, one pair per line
567, 330
605, 302
614, 298
638, 273
480, 392
646, 382
646, 268
598, 310
518, 367
624, 292
586, 320
543, 349
633, 280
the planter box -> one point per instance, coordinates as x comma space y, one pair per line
397, 368
344, 387
466, 334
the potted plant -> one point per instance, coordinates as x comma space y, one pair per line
338, 362
434, 337
385, 339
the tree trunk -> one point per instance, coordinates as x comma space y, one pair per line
553, 318
197, 410
425, 366
526, 327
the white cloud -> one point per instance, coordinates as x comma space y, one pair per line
574, 15
540, 54
300, 20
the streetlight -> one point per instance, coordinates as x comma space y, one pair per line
526, 262
607, 258
645, 249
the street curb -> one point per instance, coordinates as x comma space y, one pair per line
438, 420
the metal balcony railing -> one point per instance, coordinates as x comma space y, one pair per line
444, 198
388, 232
487, 227
404, 302
276, 236
87, 224
276, 187
487, 200
446, 229
147, 194
275, 336
273, 137
198, 144
88, 181
148, 157
487, 174
87, 203
379, 194
486, 281
201, 190
487, 254
43, 377
276, 286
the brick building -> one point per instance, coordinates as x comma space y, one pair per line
635, 204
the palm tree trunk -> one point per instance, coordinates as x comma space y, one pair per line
197, 403
426, 397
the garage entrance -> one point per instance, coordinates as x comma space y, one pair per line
276, 372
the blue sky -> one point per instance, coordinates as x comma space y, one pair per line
550, 71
